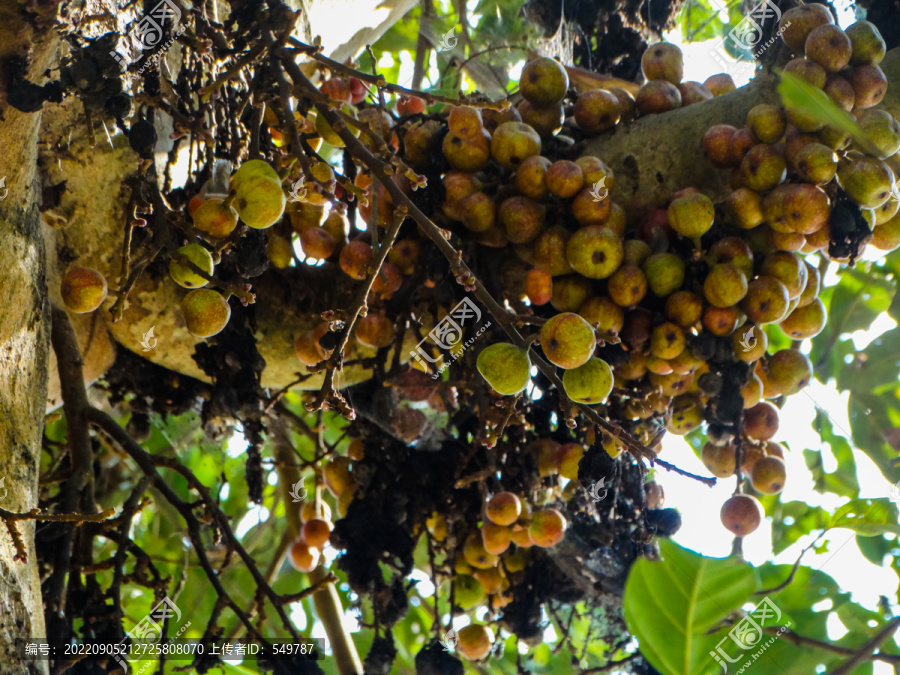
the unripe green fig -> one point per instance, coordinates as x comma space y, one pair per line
664, 272
260, 202
691, 215
595, 251
506, 367
868, 45
882, 130
252, 168
568, 340
184, 275
867, 180
83, 289
589, 383
205, 312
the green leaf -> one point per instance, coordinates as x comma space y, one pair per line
867, 517
800, 96
670, 605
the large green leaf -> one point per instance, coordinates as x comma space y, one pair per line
867, 517
671, 604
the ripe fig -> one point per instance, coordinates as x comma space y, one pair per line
869, 85
719, 460
495, 538
768, 475
375, 331
742, 514
627, 286
531, 177
356, 259
663, 61
657, 96
543, 81
83, 289
567, 340
548, 527
766, 301
513, 143
693, 92
786, 372
763, 168
548, 251
828, 46
205, 312
745, 208
717, 145
603, 312
720, 84
596, 111
521, 219
667, 340
504, 508
798, 22
805, 322
475, 641
505, 367
468, 154
684, 308
564, 178
545, 120
570, 292
216, 219
538, 287
761, 421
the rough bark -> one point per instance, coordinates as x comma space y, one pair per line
24, 340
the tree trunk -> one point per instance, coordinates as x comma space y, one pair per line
24, 340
